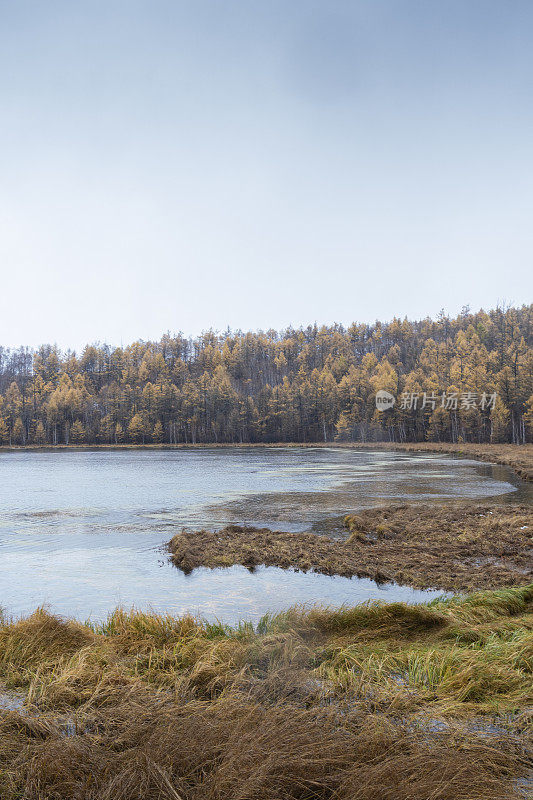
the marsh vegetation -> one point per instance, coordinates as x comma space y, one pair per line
379, 702
457, 547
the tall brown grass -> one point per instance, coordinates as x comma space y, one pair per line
376, 702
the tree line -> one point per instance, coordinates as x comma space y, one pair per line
298, 385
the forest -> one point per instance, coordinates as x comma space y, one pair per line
314, 384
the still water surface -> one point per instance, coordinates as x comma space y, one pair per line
82, 531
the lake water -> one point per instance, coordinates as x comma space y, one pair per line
82, 531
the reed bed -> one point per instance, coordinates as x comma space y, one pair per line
457, 547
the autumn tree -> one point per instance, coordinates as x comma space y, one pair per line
137, 429
77, 432
4, 432
157, 433
40, 434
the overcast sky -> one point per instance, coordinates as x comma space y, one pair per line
172, 166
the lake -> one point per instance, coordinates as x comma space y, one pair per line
82, 531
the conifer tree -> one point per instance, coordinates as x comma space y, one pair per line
40, 434
157, 433
77, 432
19, 432
136, 429
4, 432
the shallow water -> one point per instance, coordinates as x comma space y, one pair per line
82, 531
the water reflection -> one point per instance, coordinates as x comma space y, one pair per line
82, 530
81, 581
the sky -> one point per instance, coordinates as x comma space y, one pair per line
181, 166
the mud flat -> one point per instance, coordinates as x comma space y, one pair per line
457, 548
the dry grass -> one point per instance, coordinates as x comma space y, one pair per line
367, 703
462, 547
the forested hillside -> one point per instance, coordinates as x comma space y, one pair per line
313, 384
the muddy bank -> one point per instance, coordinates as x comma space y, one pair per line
456, 548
